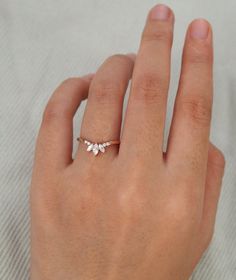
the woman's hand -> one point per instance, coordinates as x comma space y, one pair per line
132, 212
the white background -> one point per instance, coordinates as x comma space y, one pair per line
42, 43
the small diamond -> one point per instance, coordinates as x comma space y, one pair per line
95, 149
90, 148
101, 148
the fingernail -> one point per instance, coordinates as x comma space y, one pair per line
88, 77
132, 56
160, 12
199, 29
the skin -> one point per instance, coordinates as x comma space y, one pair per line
133, 212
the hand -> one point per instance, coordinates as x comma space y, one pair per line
133, 212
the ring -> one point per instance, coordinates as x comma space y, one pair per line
97, 147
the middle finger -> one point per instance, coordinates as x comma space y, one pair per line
146, 110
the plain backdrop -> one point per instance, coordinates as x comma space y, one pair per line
44, 42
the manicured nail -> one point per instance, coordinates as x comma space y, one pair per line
132, 56
160, 12
199, 29
88, 77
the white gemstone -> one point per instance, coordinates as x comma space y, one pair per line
88, 143
108, 144
95, 146
90, 148
101, 148
95, 151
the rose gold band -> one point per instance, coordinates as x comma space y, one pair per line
112, 142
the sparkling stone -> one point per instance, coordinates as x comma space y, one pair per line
90, 147
95, 151
108, 144
101, 148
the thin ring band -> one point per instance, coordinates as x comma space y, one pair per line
97, 147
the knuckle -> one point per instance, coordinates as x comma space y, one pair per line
218, 159
51, 112
107, 91
68, 81
197, 109
149, 88
121, 58
55, 111
71, 82
180, 211
162, 33
132, 201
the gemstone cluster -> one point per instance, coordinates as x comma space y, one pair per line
96, 147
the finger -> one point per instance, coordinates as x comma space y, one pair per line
215, 172
189, 133
103, 113
145, 117
54, 145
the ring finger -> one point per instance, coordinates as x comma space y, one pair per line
103, 114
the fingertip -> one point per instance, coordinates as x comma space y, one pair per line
161, 12
200, 29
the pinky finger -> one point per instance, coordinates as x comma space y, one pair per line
215, 173
54, 144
